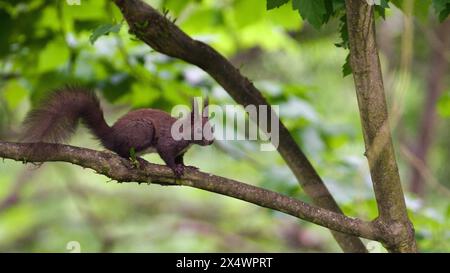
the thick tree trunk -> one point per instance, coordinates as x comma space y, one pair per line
368, 80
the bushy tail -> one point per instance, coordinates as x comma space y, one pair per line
56, 118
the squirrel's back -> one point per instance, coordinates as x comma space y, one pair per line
158, 118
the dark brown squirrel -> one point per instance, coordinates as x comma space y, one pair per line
136, 133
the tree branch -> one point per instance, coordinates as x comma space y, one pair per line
117, 168
165, 37
372, 105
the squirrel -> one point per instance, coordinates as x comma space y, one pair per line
137, 132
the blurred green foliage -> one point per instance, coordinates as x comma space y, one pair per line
47, 44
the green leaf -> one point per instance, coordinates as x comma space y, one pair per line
271, 4
346, 68
380, 11
343, 32
285, 17
329, 12
442, 8
314, 11
444, 13
440, 4
338, 5
384, 4
133, 153
381, 8
104, 30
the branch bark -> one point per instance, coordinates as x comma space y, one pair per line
368, 80
120, 169
165, 37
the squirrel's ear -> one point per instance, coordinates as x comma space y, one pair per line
205, 107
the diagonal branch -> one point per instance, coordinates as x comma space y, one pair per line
165, 37
117, 168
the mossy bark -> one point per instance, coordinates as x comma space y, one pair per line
365, 63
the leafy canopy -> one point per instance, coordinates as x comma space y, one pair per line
319, 12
